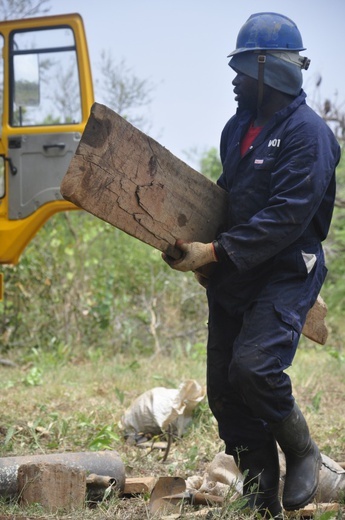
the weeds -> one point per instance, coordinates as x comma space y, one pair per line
105, 439
78, 407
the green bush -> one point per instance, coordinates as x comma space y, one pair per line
82, 284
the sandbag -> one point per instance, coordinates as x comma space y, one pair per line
160, 408
222, 475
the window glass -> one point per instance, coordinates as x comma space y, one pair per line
45, 79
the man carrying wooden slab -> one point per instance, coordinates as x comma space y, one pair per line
266, 267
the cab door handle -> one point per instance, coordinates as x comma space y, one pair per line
60, 146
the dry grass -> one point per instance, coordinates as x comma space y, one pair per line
51, 406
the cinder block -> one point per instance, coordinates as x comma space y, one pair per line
54, 486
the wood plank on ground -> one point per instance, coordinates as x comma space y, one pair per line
52, 485
139, 485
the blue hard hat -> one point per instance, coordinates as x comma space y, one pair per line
268, 31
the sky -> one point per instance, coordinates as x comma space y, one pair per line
181, 47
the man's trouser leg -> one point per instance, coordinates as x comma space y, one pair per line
246, 437
261, 354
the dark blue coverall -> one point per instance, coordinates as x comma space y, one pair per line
281, 198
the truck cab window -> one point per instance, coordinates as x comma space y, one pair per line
45, 80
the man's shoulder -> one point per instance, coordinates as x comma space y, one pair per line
306, 116
308, 125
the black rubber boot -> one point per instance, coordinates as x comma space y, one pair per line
303, 460
261, 479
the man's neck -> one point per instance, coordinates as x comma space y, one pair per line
277, 101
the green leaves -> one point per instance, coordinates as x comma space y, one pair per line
105, 439
34, 377
82, 284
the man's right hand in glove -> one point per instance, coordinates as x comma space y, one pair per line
194, 255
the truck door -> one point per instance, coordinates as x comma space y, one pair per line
47, 94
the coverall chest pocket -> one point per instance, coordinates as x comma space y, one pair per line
253, 186
265, 163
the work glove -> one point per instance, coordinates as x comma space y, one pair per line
194, 255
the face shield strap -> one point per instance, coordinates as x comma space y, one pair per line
261, 70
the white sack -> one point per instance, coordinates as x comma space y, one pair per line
157, 409
222, 475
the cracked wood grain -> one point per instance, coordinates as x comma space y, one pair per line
126, 178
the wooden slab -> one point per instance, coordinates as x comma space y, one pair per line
124, 177
315, 327
54, 486
315, 509
139, 485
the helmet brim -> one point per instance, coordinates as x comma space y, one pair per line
258, 49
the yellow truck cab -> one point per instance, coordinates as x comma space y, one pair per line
45, 97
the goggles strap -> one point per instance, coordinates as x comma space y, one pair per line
261, 70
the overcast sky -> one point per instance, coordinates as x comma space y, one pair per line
181, 46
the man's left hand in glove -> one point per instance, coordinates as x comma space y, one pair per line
194, 255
